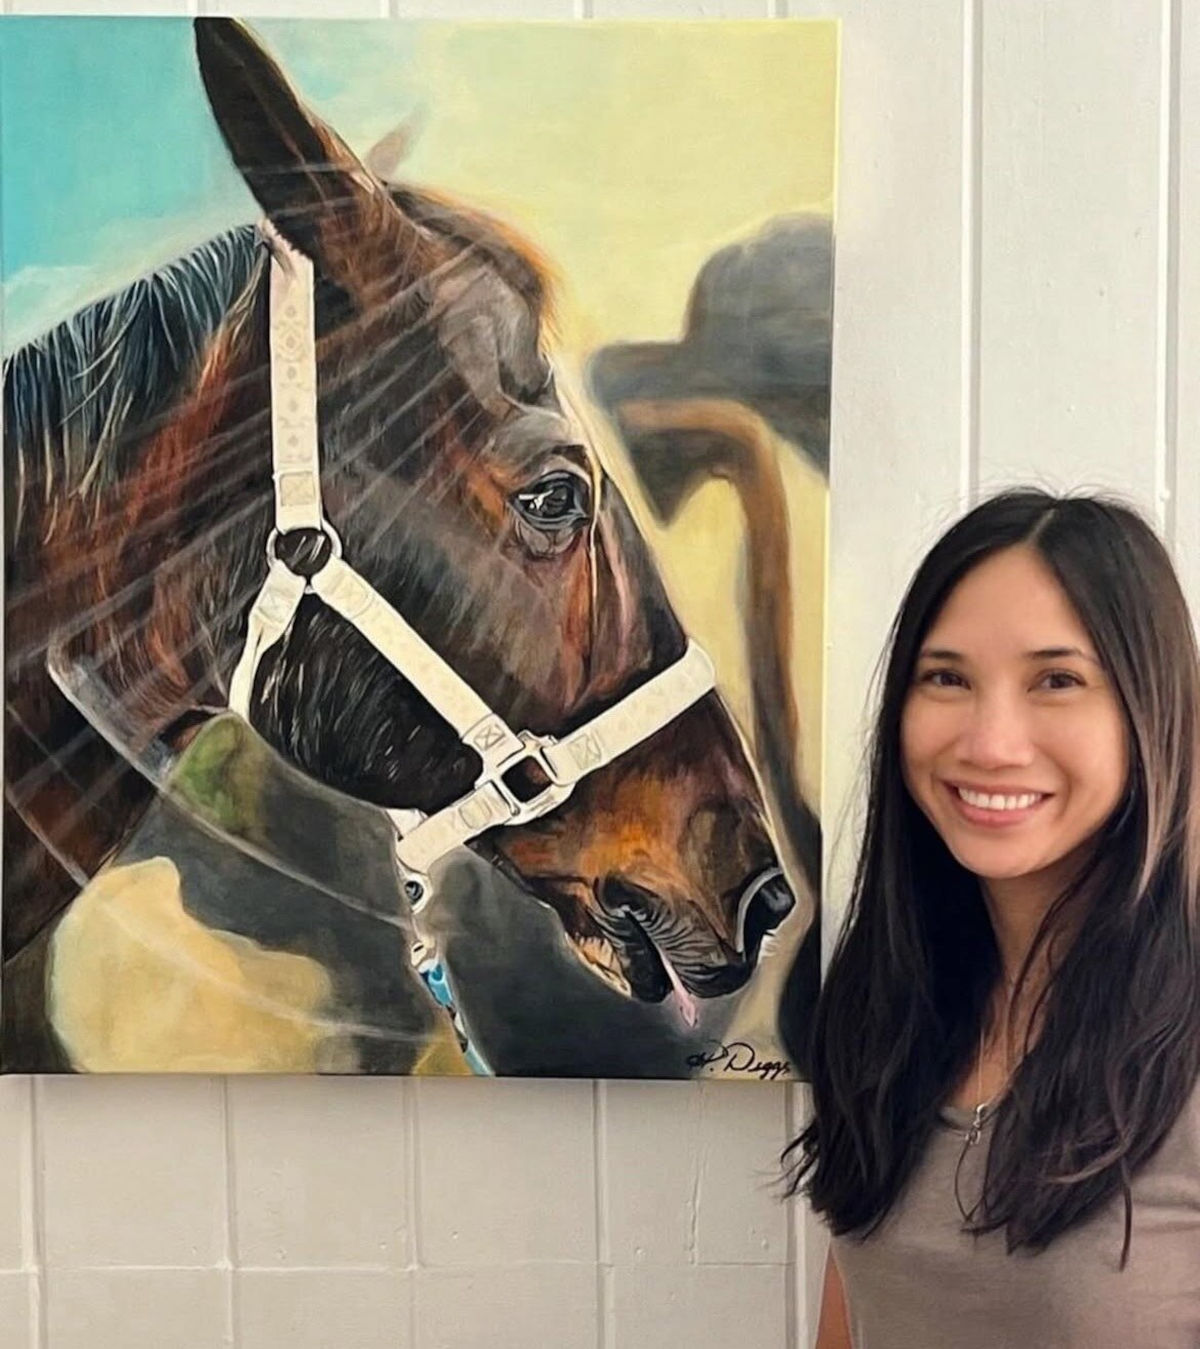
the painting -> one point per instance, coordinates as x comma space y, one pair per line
415, 473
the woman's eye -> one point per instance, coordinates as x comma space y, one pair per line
942, 679
1060, 679
556, 501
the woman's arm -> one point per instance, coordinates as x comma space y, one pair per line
833, 1331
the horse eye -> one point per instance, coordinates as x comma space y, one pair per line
557, 501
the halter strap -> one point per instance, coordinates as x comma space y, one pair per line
497, 798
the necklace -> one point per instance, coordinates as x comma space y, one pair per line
973, 1134
975, 1128
983, 1108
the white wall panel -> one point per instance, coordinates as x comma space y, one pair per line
323, 1309
321, 1171
706, 1307
739, 1219
518, 1305
18, 1316
680, 9
133, 1171
1181, 366
488, 9
138, 1309
506, 1172
16, 1175
299, 9
1070, 202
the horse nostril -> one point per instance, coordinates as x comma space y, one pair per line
765, 903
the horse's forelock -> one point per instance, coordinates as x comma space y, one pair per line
517, 260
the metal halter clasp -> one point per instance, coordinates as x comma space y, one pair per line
323, 532
522, 810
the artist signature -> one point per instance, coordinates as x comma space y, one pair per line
740, 1057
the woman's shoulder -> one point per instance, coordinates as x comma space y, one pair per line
1172, 1173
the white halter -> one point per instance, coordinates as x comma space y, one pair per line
421, 840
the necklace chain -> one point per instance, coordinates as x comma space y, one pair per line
983, 1107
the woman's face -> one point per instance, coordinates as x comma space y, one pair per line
1012, 737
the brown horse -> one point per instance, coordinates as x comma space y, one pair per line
139, 504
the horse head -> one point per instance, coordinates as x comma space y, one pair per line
464, 489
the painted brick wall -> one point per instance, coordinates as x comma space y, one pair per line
1018, 295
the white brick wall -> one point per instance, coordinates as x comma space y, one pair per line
1018, 280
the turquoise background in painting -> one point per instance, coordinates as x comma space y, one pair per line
110, 162
76, 152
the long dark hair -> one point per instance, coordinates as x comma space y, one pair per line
903, 1005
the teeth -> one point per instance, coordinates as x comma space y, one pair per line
598, 955
984, 801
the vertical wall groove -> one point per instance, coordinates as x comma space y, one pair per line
972, 245
37, 1201
1167, 418
791, 1310
605, 1329
232, 1255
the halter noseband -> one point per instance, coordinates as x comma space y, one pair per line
493, 801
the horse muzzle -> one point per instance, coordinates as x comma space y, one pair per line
663, 950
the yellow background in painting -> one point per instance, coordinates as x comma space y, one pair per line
656, 145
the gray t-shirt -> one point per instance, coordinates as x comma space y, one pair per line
920, 1282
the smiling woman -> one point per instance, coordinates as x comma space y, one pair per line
1008, 1040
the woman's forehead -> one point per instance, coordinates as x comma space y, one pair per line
1011, 599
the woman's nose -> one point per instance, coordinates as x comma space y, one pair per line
996, 735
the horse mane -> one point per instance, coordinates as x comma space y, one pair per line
80, 399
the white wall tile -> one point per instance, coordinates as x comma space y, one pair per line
741, 1218
485, 9
107, 7
320, 1171
507, 1171
323, 1309
681, 9
138, 1309
693, 1172
18, 1295
298, 9
651, 1139
703, 1307
509, 1308
134, 1170
15, 1173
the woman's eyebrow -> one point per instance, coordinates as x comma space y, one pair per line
1042, 653
1059, 652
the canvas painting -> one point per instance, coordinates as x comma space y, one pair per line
415, 476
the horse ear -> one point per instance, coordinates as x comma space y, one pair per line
312, 186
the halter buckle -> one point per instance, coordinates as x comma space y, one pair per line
519, 807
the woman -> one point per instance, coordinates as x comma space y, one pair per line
1006, 1131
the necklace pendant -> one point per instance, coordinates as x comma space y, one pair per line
975, 1128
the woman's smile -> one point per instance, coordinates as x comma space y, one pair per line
995, 807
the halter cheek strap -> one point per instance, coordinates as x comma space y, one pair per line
496, 799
